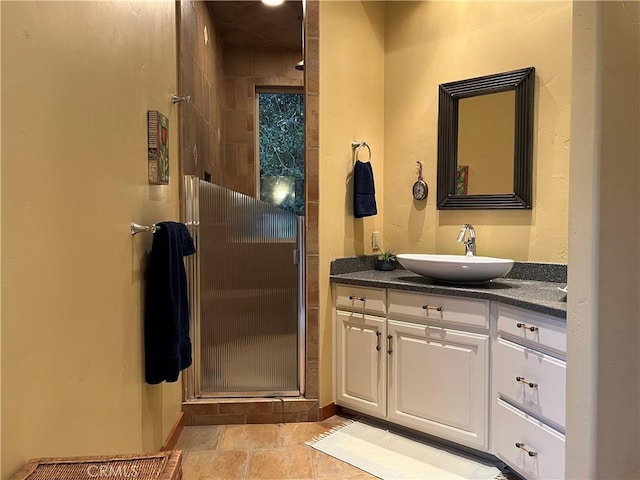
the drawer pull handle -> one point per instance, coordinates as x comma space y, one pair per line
524, 380
432, 307
527, 327
521, 446
389, 350
378, 347
362, 299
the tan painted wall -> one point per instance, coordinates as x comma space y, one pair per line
603, 423
429, 43
0, 256
351, 109
77, 80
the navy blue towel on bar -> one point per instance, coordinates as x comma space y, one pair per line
364, 190
166, 320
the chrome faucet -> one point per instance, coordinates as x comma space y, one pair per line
470, 243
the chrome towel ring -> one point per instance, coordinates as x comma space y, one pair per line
356, 146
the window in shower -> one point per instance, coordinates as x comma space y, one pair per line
281, 148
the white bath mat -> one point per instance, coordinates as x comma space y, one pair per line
390, 456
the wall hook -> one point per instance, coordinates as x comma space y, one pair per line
175, 98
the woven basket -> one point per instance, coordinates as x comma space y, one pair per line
154, 466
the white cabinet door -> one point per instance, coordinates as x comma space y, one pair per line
438, 382
361, 381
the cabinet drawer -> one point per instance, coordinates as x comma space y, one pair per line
361, 299
546, 396
421, 307
534, 329
515, 427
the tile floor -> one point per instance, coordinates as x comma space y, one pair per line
260, 451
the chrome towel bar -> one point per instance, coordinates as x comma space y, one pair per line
136, 228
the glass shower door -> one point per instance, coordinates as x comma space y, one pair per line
248, 341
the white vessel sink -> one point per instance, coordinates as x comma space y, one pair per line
455, 268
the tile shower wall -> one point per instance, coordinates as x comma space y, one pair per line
244, 70
312, 91
200, 75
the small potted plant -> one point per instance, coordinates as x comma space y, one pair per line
386, 260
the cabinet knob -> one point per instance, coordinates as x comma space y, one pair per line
522, 446
524, 380
527, 327
362, 299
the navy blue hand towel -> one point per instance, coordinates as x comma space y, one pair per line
166, 320
364, 190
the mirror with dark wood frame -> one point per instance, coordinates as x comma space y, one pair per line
449, 195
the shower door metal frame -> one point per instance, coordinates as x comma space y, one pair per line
191, 216
192, 387
302, 305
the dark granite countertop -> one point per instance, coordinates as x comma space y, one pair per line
538, 296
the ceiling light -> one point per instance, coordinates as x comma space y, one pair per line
273, 3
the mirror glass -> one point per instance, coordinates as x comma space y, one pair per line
485, 141
485, 148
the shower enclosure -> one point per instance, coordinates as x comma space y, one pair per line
246, 290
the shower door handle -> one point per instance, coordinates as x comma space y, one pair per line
296, 256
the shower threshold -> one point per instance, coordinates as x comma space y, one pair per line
225, 411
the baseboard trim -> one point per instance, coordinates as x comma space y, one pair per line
327, 411
174, 434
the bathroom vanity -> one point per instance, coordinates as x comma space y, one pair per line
480, 366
